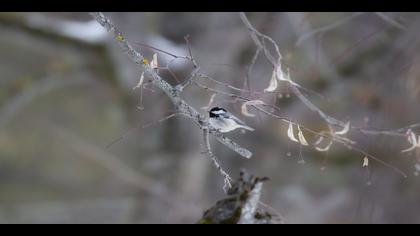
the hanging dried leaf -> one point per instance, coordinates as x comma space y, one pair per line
413, 141
410, 148
280, 74
365, 162
345, 130
154, 63
412, 137
273, 83
325, 148
291, 134
140, 81
244, 107
320, 139
302, 139
210, 102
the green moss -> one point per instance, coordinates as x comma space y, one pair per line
205, 221
235, 217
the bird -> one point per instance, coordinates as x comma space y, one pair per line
225, 121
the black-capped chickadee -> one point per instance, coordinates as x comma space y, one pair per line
224, 121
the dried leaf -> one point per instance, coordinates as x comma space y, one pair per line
320, 139
302, 139
140, 81
325, 148
412, 138
413, 141
210, 102
291, 134
280, 74
410, 148
365, 162
345, 130
244, 107
154, 63
273, 83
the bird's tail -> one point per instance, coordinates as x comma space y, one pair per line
247, 128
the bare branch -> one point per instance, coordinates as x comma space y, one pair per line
169, 90
17, 103
189, 81
250, 68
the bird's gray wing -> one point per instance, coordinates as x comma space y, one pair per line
231, 116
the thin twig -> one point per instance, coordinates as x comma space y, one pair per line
207, 150
391, 21
326, 28
143, 127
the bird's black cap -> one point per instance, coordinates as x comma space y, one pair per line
214, 111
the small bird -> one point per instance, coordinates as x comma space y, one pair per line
224, 121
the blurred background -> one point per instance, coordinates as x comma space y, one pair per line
66, 93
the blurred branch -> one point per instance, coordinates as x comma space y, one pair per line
389, 20
120, 169
326, 28
77, 35
172, 92
41, 87
53, 28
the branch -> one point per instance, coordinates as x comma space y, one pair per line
172, 92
